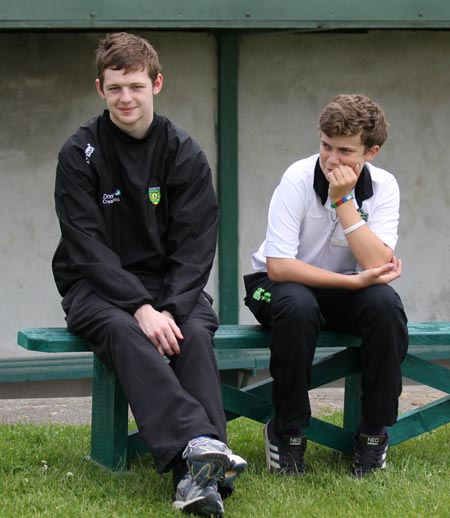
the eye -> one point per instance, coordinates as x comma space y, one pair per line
325, 146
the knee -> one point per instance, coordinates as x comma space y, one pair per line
296, 304
196, 335
120, 344
123, 336
385, 303
121, 325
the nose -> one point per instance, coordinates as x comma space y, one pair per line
125, 96
333, 158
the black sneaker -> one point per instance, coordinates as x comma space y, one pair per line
285, 454
370, 453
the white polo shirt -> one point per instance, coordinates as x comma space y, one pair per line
299, 226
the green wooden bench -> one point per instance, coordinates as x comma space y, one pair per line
244, 349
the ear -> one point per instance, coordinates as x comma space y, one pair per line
157, 84
99, 89
372, 153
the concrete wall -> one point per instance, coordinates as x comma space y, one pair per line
47, 89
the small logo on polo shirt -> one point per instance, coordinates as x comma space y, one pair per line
154, 194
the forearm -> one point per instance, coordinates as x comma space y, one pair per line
367, 248
293, 270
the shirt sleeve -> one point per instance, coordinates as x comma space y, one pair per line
192, 230
286, 213
84, 237
385, 217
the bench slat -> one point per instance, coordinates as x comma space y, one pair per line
51, 340
58, 339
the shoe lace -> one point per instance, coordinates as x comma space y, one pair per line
293, 458
369, 457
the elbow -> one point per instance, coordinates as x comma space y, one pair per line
274, 273
375, 261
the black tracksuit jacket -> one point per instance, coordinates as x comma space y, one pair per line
132, 208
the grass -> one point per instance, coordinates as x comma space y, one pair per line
43, 474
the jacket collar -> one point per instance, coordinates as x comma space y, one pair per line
363, 187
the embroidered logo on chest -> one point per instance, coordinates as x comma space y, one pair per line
154, 194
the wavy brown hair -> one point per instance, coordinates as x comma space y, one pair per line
354, 114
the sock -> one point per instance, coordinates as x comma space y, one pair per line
293, 432
178, 471
371, 429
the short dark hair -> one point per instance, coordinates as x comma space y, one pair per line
122, 50
354, 114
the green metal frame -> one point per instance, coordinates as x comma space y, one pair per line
233, 14
254, 402
227, 143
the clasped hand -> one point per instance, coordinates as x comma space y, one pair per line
381, 275
160, 328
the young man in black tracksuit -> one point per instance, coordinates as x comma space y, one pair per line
138, 217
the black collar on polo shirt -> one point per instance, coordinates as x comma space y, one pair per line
363, 187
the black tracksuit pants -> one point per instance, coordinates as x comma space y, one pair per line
171, 402
295, 314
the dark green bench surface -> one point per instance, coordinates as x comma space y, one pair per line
246, 347
58, 339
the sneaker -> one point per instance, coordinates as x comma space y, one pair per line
211, 461
286, 454
370, 453
202, 501
236, 465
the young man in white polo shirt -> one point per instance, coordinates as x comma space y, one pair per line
326, 262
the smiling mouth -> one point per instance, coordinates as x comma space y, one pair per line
126, 110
